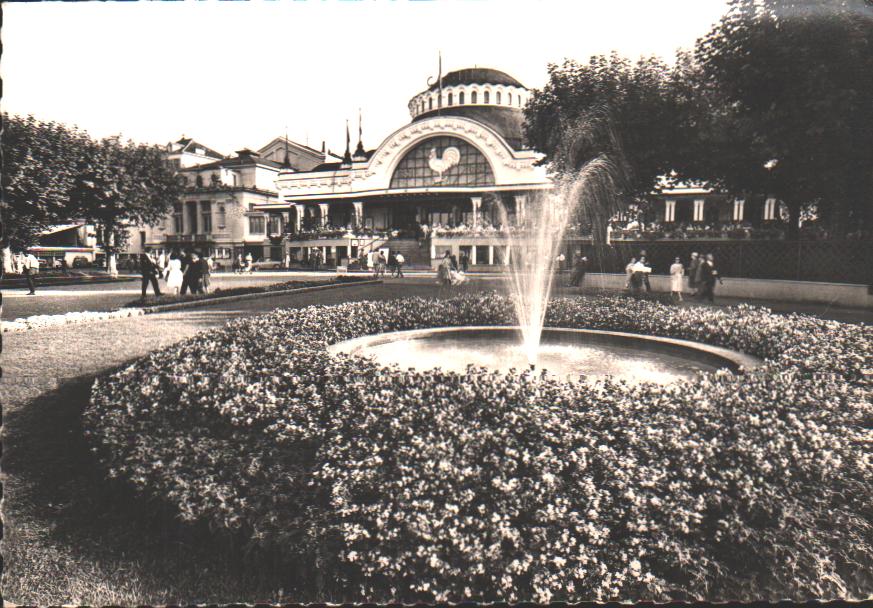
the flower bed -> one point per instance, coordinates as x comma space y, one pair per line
238, 291
407, 485
40, 321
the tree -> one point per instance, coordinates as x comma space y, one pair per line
118, 185
38, 172
784, 105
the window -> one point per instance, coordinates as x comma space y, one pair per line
487, 97
698, 210
177, 218
473, 96
770, 209
670, 211
519, 101
142, 239
430, 104
738, 209
416, 169
498, 98
222, 217
509, 99
274, 224
450, 99
205, 217
461, 98
257, 224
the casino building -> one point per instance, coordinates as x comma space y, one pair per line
462, 152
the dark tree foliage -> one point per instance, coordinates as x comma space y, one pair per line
53, 174
639, 102
783, 105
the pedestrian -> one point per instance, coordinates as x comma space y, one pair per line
206, 266
444, 270
288, 259
162, 262
237, 263
638, 276
646, 274
677, 271
193, 275
694, 273
579, 270
399, 260
464, 260
249, 262
392, 263
454, 261
708, 276
173, 274
629, 271
149, 272
29, 267
560, 261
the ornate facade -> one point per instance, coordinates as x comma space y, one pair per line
461, 155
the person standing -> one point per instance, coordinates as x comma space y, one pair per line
399, 260
465, 261
708, 276
639, 272
646, 274
249, 262
30, 266
444, 270
694, 272
173, 275
193, 275
677, 271
629, 271
392, 263
560, 261
579, 270
206, 266
149, 272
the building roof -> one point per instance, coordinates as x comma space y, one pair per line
507, 121
60, 228
237, 161
189, 145
476, 76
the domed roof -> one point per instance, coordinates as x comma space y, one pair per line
476, 76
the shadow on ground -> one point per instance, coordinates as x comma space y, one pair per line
72, 536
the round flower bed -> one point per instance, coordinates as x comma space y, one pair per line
405, 485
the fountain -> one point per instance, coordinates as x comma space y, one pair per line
533, 235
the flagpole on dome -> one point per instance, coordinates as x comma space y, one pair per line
440, 77
286, 163
360, 154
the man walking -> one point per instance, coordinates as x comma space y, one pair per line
30, 266
579, 271
149, 272
399, 260
693, 272
708, 276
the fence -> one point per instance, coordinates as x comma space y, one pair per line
827, 261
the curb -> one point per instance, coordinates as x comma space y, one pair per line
248, 296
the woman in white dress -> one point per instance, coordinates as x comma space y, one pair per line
174, 274
677, 271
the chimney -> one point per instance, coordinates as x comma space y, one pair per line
325, 152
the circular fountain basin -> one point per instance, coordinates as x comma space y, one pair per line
567, 354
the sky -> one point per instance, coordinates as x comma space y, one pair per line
238, 74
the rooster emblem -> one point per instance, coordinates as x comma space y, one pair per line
451, 157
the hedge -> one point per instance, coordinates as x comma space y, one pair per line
405, 485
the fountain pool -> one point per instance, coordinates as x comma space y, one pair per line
563, 353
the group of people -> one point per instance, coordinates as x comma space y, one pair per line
27, 265
702, 276
180, 272
394, 264
242, 263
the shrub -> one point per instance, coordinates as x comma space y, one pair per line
409, 485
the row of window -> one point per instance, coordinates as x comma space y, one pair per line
259, 224
204, 211
770, 212
474, 99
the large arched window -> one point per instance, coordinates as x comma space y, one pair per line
442, 161
473, 96
461, 98
487, 97
509, 99
450, 98
498, 98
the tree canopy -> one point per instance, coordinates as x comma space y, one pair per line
54, 174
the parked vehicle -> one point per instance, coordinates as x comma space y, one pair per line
80, 261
